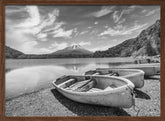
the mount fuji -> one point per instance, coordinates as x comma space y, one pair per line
73, 50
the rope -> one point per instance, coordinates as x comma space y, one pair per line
138, 109
134, 105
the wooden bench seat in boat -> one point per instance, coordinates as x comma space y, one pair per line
87, 86
108, 88
112, 74
94, 90
78, 84
96, 73
67, 83
97, 89
82, 86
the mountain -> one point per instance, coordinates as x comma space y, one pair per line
12, 53
73, 51
147, 43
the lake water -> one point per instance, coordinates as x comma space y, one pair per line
29, 75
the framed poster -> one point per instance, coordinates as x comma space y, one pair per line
82, 60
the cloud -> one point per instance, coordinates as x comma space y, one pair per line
26, 34
94, 32
89, 27
117, 15
118, 27
34, 17
75, 32
58, 46
152, 12
121, 30
84, 32
62, 33
29, 47
53, 27
104, 11
100, 48
17, 39
13, 9
23, 42
50, 22
41, 35
52, 48
36, 26
134, 6
82, 43
144, 11
106, 26
106, 45
121, 21
96, 22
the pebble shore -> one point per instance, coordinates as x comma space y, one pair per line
48, 102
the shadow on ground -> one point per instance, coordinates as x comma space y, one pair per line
86, 109
142, 95
157, 77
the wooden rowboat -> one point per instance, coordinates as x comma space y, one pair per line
97, 90
149, 69
134, 75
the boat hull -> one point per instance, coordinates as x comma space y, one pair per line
134, 75
120, 97
149, 69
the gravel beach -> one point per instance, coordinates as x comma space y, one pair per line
48, 102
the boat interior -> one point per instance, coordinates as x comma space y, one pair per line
112, 72
89, 83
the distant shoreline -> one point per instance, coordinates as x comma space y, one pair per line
72, 57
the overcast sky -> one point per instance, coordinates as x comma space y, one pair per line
45, 29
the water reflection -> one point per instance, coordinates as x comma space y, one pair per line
75, 67
29, 79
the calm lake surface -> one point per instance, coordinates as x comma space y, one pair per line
29, 75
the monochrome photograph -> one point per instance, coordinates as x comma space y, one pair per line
82, 60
